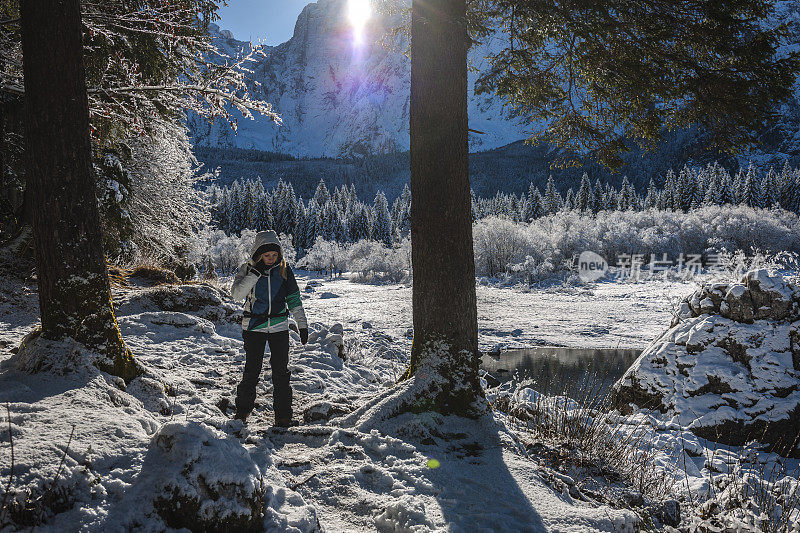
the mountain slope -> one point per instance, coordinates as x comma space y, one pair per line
338, 98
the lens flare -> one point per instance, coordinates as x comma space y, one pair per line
359, 12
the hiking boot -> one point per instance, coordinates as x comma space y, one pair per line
286, 422
242, 417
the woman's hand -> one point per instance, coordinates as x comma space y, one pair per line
303, 335
256, 268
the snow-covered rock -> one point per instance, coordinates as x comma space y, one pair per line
198, 299
729, 366
204, 479
338, 98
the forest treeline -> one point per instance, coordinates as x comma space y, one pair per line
342, 217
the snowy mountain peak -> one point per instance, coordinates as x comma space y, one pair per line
338, 96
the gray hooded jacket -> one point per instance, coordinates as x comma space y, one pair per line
270, 294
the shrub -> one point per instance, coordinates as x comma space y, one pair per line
328, 257
548, 244
372, 261
214, 250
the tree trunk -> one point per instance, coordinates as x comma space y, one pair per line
74, 292
445, 347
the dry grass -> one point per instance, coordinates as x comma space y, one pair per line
33, 506
154, 275
118, 276
140, 274
750, 489
609, 461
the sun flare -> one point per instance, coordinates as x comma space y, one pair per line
359, 12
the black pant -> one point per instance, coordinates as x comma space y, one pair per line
254, 344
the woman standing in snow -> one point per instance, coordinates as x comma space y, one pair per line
267, 284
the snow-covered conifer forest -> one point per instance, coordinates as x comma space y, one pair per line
512, 266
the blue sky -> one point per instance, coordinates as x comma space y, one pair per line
269, 20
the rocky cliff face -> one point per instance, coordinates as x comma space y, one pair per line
729, 366
339, 98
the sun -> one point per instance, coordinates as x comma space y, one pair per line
359, 12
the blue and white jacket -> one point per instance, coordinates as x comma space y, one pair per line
271, 296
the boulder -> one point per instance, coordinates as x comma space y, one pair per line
728, 368
201, 478
203, 300
325, 410
204, 480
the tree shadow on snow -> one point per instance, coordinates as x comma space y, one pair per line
23, 387
470, 478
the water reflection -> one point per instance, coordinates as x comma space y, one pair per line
558, 370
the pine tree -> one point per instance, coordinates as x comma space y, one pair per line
353, 195
786, 193
321, 194
248, 204
663, 54
284, 207
73, 287
394, 215
552, 198
726, 192
598, 202
584, 196
337, 197
263, 213
305, 230
611, 197
535, 205
444, 356
770, 189
222, 211
324, 226
683, 189
751, 190
513, 206
381, 225
279, 207
701, 184
290, 215
711, 196
695, 203
567, 205
474, 208
794, 201
338, 228
790, 189
403, 221
651, 199
790, 197
671, 197
359, 224
739, 186
626, 196
662, 201
236, 208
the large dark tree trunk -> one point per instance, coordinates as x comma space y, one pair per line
445, 344
74, 293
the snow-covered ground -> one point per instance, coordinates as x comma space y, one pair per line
602, 315
161, 440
